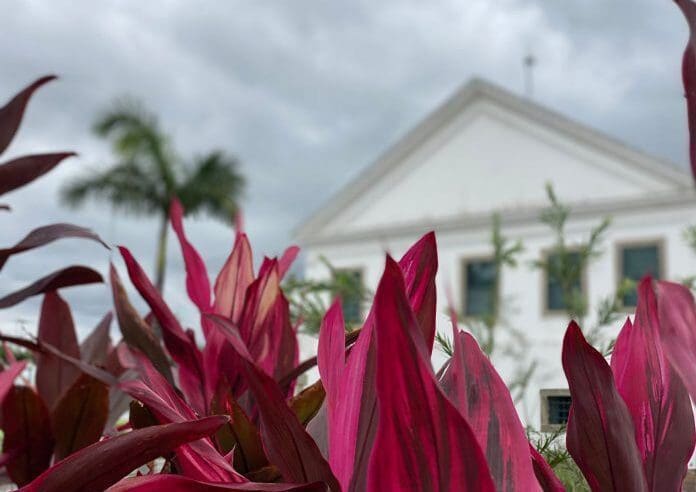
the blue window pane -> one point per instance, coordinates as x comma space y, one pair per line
554, 291
558, 407
636, 262
479, 292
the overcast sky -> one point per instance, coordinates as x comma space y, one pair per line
306, 93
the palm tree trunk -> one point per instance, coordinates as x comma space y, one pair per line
161, 260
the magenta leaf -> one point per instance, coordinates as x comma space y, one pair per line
197, 283
600, 435
419, 266
27, 434
25, 169
422, 441
677, 315
183, 350
655, 396
45, 235
286, 260
102, 464
199, 459
484, 401
53, 375
177, 483
287, 444
11, 113
67, 277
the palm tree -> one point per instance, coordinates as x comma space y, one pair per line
148, 175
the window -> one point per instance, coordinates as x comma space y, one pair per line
349, 288
479, 287
555, 405
636, 261
555, 271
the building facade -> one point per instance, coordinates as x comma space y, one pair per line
486, 151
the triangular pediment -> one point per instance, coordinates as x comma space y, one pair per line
487, 150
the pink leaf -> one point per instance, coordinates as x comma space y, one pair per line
422, 441
8, 376
600, 435
233, 280
11, 113
655, 396
53, 375
286, 260
23, 170
677, 315
67, 277
45, 235
484, 401
183, 350
197, 283
102, 464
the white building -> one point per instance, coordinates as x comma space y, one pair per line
486, 150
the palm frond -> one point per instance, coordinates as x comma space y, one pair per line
214, 186
125, 186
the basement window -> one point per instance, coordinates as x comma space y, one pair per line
555, 406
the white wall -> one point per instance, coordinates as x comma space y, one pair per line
521, 288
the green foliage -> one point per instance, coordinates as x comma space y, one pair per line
551, 445
310, 299
567, 264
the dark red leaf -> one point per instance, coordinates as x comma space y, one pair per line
688, 8
483, 399
135, 331
177, 483
67, 277
25, 169
95, 348
287, 444
11, 113
102, 464
182, 349
422, 442
655, 396
45, 235
54, 375
600, 435
80, 415
28, 437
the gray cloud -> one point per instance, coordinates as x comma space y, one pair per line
306, 93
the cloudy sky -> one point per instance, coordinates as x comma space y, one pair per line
306, 93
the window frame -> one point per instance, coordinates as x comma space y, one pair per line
361, 307
584, 282
544, 394
464, 262
660, 242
